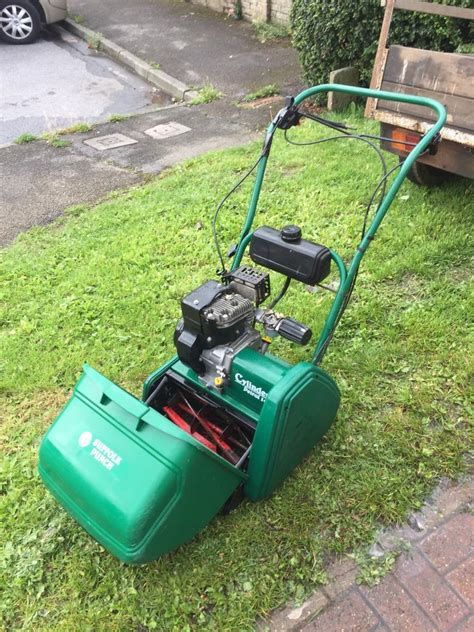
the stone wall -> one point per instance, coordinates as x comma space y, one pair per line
280, 11
277, 11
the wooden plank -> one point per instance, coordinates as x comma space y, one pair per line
433, 7
380, 57
460, 109
449, 73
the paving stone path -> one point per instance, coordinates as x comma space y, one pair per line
431, 587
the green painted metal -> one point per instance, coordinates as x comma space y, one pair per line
136, 482
292, 406
298, 411
344, 287
140, 485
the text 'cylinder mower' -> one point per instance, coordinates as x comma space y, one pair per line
224, 418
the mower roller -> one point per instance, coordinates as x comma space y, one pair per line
223, 419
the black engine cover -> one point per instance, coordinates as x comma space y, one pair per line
196, 332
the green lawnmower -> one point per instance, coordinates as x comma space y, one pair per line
223, 419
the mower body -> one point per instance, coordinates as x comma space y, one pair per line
223, 419
141, 486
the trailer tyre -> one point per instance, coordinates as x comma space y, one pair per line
426, 175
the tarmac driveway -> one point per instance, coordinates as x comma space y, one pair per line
58, 81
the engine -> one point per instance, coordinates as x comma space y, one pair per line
219, 318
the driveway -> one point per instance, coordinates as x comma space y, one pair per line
59, 81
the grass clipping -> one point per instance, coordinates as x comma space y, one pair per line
104, 285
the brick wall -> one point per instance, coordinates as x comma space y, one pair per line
277, 11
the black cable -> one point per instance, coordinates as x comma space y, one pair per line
344, 135
390, 140
348, 295
357, 137
382, 181
341, 127
281, 293
337, 125
221, 204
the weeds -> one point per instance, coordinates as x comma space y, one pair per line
78, 19
265, 91
116, 118
53, 139
59, 143
373, 569
25, 138
77, 128
206, 94
94, 41
266, 31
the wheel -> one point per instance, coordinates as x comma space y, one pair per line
20, 21
426, 175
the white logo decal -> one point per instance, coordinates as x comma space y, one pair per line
250, 388
101, 452
85, 439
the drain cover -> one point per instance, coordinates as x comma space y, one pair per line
111, 141
167, 130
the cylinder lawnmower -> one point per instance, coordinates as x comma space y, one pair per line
223, 419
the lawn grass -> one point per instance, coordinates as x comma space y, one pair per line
103, 285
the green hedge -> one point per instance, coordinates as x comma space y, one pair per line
333, 34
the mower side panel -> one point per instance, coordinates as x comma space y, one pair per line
136, 482
298, 411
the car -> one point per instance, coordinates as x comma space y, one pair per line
21, 20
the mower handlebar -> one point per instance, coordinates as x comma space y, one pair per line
348, 274
368, 93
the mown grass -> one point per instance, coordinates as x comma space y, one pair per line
103, 285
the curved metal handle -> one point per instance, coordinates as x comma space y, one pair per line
389, 96
358, 92
375, 94
347, 275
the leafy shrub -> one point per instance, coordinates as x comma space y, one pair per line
330, 35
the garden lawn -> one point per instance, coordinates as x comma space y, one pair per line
104, 284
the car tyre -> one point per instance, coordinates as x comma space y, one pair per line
20, 21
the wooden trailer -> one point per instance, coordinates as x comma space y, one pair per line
447, 77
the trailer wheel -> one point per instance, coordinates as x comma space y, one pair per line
426, 175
